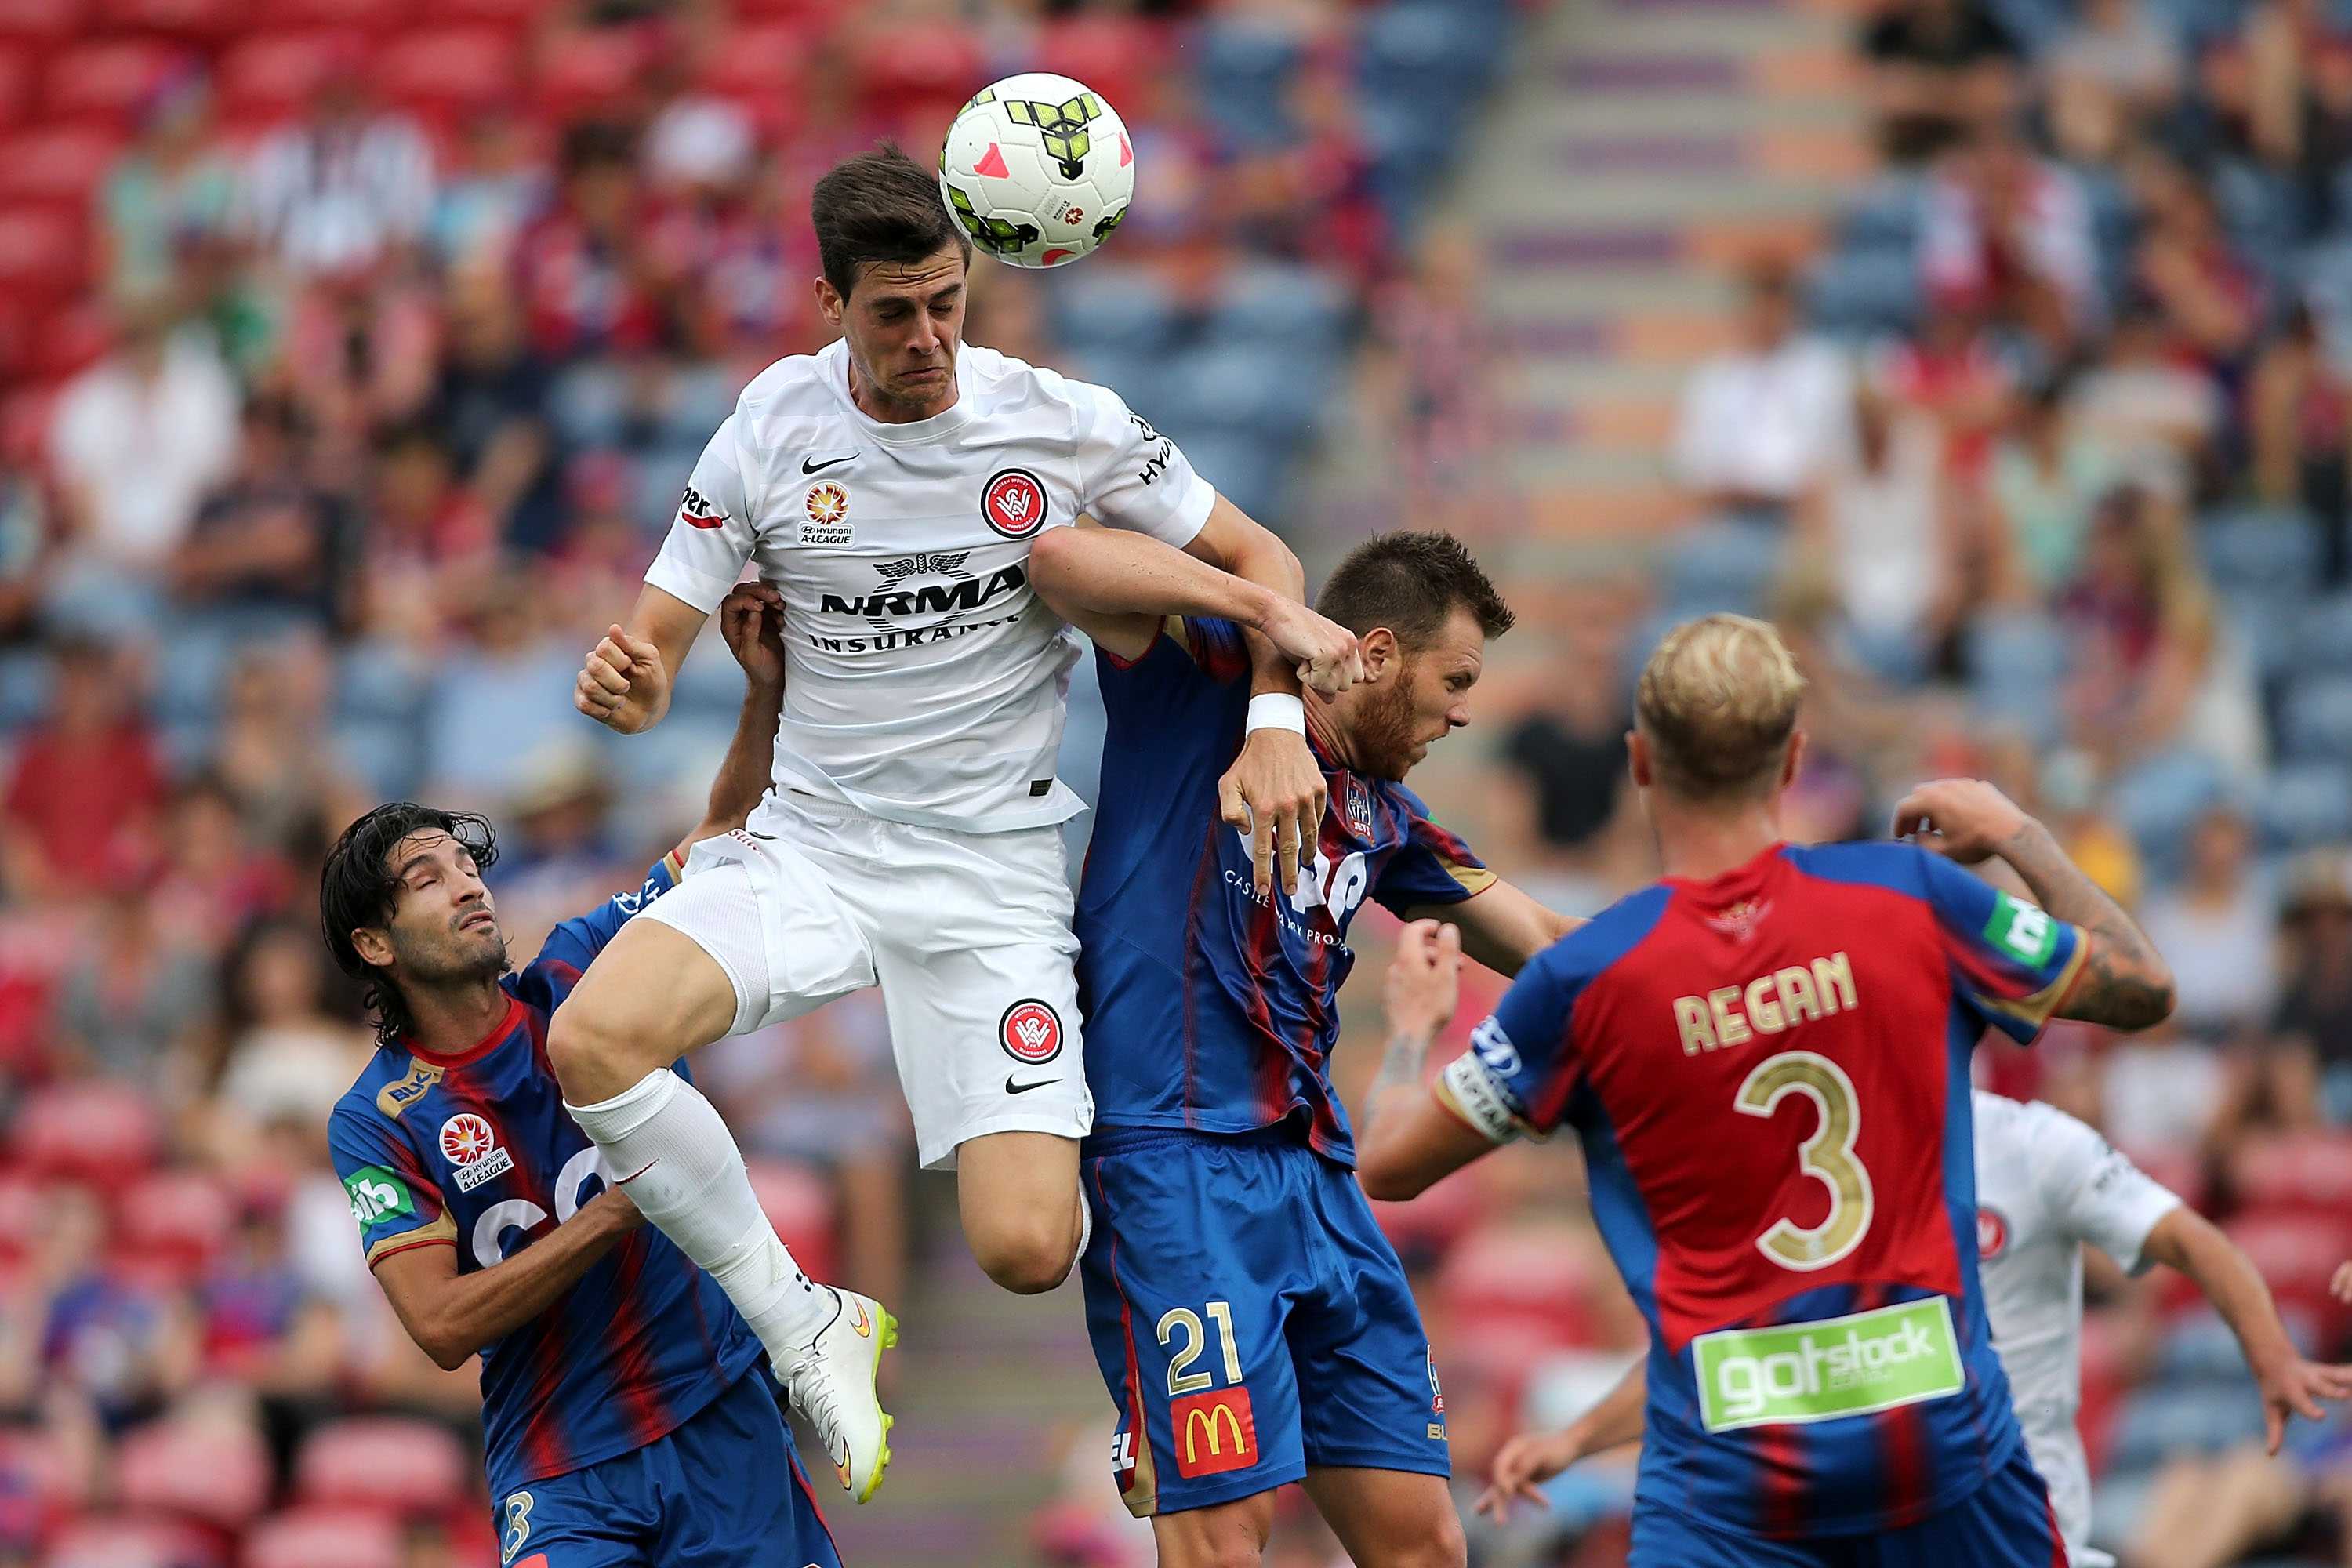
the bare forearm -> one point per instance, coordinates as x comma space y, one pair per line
2125, 982
749, 762
1617, 1419
468, 1311
2229, 1280
1399, 1078
1110, 572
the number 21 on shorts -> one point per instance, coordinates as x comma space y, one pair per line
1211, 1429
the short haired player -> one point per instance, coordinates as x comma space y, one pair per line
2047, 1185
627, 1421
893, 487
1766, 1058
1253, 1324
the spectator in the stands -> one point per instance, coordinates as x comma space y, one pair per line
2154, 665
2010, 232
132, 1002
494, 182
2219, 927
139, 439
2189, 267
1936, 66
2111, 75
2312, 1029
2299, 422
585, 274
1885, 523
490, 410
1764, 419
268, 541
284, 1055
169, 202
2046, 476
2283, 86
88, 778
337, 189
2159, 415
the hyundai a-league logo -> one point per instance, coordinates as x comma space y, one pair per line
1030, 1032
827, 503
471, 1144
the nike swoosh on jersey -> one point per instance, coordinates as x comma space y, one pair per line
810, 465
1013, 1088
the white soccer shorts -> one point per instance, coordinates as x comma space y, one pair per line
967, 933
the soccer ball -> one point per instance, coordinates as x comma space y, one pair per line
1037, 169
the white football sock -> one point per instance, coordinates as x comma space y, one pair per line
1085, 1225
680, 1165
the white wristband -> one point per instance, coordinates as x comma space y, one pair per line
1273, 710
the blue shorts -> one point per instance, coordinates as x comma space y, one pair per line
725, 1491
2005, 1523
1227, 1277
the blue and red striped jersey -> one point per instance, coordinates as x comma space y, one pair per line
474, 1150
1206, 1007
1770, 1075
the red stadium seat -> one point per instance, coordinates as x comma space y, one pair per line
1537, 1281
1108, 53
2178, 1167
341, 15
108, 79
901, 74
587, 69
800, 1206
45, 21
2308, 1171
116, 1542
174, 1222
204, 21
382, 1462
102, 1133
448, 68
818, 13
43, 1479
25, 424
217, 1473
42, 253
68, 340
58, 163
271, 75
2296, 1253
313, 1537
21, 1220
16, 85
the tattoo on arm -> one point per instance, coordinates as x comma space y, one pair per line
2125, 982
1400, 1069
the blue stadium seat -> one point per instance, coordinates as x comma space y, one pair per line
1115, 309
2158, 800
1297, 310
1249, 471
2316, 721
24, 687
379, 681
2306, 803
2191, 1417
1419, 49
711, 682
1241, 387
2321, 636
2269, 550
1887, 215
2016, 663
1242, 72
1726, 564
1865, 293
2264, 622
381, 753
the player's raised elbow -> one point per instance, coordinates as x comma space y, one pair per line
2125, 985
1058, 570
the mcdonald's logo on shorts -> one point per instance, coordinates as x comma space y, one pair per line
1213, 1432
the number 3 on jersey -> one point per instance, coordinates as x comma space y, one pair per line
1827, 1156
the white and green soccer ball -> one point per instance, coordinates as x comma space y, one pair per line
1037, 169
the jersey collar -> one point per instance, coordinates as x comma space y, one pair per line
953, 417
479, 1048
1741, 878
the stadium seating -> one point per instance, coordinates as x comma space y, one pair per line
103, 1134
307, 1536
382, 1462
217, 1473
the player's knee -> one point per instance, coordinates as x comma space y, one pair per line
592, 1059
1027, 1255
1434, 1541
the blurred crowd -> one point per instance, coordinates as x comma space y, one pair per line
353, 355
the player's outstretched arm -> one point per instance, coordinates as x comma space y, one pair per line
2290, 1385
1117, 586
1535, 1456
1502, 927
1406, 1141
2124, 981
751, 619
625, 682
451, 1316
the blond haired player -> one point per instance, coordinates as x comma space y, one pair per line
1765, 1056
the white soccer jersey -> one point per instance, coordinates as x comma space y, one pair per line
925, 682
2046, 1184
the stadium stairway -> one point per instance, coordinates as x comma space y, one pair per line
1639, 149
987, 1385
